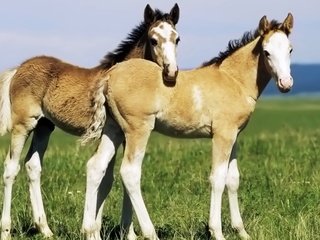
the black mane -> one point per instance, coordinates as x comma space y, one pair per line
236, 44
124, 48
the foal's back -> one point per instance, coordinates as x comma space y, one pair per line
47, 86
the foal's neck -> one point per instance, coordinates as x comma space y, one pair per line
141, 49
246, 66
126, 51
136, 52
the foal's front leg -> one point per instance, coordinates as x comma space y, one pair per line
233, 179
100, 178
221, 150
126, 217
126, 225
130, 171
33, 163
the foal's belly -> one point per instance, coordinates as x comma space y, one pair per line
75, 125
70, 116
178, 130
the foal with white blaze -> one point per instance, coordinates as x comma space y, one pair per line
214, 101
44, 92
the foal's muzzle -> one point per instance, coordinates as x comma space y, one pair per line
169, 74
285, 83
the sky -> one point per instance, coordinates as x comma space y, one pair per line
81, 32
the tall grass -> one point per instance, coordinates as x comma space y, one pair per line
279, 191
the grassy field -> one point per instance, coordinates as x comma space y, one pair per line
279, 190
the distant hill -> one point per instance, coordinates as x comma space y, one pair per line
306, 79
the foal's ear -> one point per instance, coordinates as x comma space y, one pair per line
175, 14
287, 24
149, 15
263, 25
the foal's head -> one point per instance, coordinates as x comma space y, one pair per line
277, 49
163, 40
154, 39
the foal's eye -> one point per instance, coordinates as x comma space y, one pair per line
177, 40
291, 50
266, 53
153, 42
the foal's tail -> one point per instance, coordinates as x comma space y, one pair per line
5, 104
98, 120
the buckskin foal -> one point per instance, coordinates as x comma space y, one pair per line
214, 101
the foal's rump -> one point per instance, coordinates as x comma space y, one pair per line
46, 86
71, 97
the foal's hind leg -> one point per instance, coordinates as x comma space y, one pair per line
19, 134
233, 185
33, 164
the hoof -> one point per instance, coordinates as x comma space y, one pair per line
217, 236
5, 235
244, 235
46, 232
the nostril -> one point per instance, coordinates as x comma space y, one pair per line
166, 69
286, 82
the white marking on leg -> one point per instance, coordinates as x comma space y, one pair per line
103, 191
131, 234
33, 162
233, 185
96, 169
11, 170
218, 181
33, 167
130, 171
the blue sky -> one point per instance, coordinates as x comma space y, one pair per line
82, 31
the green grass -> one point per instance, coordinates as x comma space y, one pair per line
279, 190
